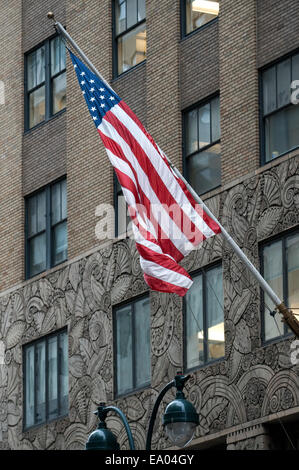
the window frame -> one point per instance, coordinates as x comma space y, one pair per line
44, 339
203, 270
185, 112
262, 116
47, 83
116, 195
115, 38
134, 389
49, 227
183, 15
265, 243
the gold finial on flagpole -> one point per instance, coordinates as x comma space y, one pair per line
51, 16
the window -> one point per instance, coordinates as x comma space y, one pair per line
202, 146
196, 13
130, 34
122, 218
204, 318
280, 266
45, 83
132, 346
280, 118
46, 379
46, 228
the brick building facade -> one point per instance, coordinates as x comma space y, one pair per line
242, 396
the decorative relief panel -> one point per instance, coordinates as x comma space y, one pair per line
251, 382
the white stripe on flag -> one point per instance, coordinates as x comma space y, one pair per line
163, 170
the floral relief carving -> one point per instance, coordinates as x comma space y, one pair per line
250, 382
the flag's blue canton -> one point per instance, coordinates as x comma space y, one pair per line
98, 96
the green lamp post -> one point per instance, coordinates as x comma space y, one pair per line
180, 421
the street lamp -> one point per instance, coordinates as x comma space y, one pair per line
180, 420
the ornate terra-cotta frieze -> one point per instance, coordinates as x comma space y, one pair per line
251, 382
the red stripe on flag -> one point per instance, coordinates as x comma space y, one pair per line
182, 221
163, 286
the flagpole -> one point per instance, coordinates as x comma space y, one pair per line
288, 315
62, 31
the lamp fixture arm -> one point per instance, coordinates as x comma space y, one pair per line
154, 413
125, 423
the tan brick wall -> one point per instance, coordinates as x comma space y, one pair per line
44, 154
178, 73
131, 87
199, 65
11, 127
162, 85
90, 176
238, 88
36, 26
277, 29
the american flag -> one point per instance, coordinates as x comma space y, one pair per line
167, 221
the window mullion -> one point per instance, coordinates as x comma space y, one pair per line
47, 379
204, 305
34, 386
48, 228
285, 278
48, 81
133, 346
58, 374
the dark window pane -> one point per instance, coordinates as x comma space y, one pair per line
215, 315
36, 68
142, 342
191, 132
132, 48
131, 13
52, 378
121, 25
269, 90
123, 219
32, 216
40, 65
31, 71
63, 200
295, 67
42, 364
58, 58
56, 203
60, 243
204, 169
37, 254
41, 211
283, 83
29, 384
281, 132
292, 256
215, 111
194, 324
124, 349
204, 125
64, 385
200, 12
59, 93
141, 10
272, 258
37, 106
40, 383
